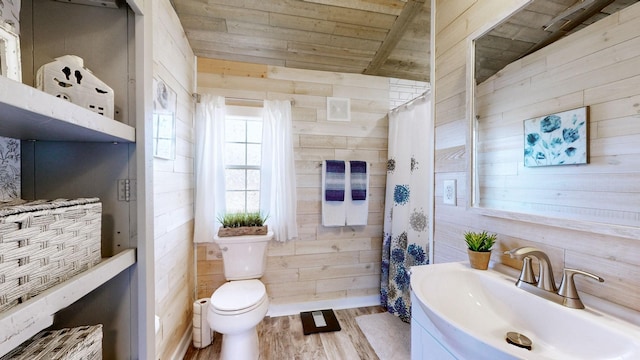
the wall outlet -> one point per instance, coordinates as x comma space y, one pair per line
449, 192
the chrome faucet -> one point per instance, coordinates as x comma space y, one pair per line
545, 272
545, 285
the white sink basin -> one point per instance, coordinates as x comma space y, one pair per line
473, 310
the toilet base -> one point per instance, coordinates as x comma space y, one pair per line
240, 346
238, 327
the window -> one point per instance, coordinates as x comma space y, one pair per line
243, 148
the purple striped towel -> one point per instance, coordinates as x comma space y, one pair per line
334, 180
358, 180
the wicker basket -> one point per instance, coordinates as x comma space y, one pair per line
81, 343
43, 243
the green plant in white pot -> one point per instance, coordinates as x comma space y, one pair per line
479, 246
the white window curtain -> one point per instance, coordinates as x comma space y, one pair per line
278, 177
210, 189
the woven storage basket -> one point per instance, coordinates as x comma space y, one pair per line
43, 243
80, 343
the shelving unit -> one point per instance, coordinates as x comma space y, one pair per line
30, 114
27, 319
69, 151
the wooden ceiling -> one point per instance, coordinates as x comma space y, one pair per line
377, 37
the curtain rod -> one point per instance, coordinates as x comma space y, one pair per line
197, 97
408, 103
243, 99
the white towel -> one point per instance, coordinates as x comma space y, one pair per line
358, 210
334, 213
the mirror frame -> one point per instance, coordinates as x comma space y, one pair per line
472, 182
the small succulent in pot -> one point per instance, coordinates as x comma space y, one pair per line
479, 246
479, 241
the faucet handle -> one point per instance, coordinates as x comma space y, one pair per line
568, 287
526, 274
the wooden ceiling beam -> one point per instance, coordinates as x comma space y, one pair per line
409, 12
563, 30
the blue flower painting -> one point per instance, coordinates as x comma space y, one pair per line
556, 139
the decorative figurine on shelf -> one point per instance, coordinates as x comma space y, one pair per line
68, 79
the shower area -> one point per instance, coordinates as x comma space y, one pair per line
408, 201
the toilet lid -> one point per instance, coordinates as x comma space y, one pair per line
237, 295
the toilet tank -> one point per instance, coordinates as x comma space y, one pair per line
244, 257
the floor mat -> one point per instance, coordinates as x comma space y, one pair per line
389, 336
319, 321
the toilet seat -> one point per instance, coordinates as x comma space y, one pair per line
238, 296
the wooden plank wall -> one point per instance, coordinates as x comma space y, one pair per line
600, 68
323, 263
174, 63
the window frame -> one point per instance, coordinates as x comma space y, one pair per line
248, 114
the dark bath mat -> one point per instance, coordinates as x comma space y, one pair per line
319, 321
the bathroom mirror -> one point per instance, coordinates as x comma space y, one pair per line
529, 68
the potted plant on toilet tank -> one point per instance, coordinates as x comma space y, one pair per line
238, 224
479, 246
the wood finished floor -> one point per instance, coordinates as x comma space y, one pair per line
281, 338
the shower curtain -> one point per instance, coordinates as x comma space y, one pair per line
407, 202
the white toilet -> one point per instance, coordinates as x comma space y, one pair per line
238, 306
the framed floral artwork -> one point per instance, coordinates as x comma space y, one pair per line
9, 169
164, 120
10, 65
556, 139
